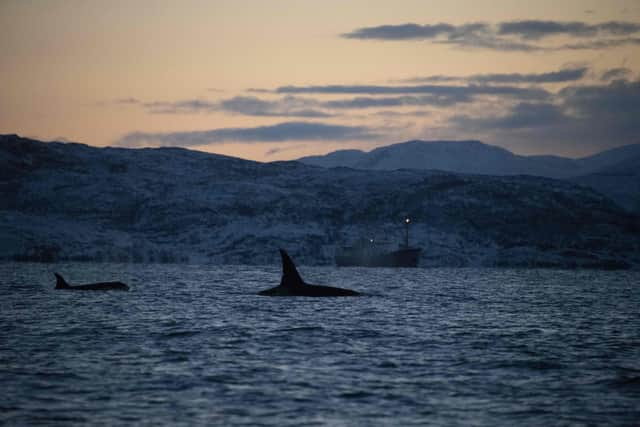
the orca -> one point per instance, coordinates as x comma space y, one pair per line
103, 286
292, 285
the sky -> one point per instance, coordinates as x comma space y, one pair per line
273, 80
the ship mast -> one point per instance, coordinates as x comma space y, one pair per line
406, 232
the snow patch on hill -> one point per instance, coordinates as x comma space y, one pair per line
75, 202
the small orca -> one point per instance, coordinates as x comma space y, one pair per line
292, 284
103, 286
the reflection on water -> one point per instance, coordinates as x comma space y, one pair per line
195, 344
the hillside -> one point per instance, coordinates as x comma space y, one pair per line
74, 202
620, 182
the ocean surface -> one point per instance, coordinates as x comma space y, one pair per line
195, 345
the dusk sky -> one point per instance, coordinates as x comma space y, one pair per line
271, 80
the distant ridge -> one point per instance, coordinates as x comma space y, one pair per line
473, 157
620, 181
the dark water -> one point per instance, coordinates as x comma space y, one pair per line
195, 345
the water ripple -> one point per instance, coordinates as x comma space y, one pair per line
196, 345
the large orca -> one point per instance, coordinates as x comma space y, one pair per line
292, 284
103, 286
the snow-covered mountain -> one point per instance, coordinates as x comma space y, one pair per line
620, 182
597, 171
61, 201
472, 157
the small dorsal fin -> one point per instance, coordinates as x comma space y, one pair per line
60, 282
290, 275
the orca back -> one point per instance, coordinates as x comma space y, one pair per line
103, 286
292, 284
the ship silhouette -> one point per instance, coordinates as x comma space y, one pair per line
369, 253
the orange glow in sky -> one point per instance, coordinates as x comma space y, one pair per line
205, 74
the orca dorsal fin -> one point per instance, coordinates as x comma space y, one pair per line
290, 275
60, 282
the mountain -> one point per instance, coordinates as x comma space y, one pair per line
616, 158
620, 182
64, 201
473, 157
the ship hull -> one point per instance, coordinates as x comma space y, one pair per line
400, 258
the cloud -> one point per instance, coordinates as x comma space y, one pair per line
601, 44
443, 100
131, 101
489, 41
566, 75
436, 90
505, 36
401, 32
287, 131
619, 99
288, 106
471, 35
258, 90
615, 74
594, 115
118, 101
475, 34
537, 29
599, 115
521, 116
188, 106
402, 114
436, 78
559, 76
291, 105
